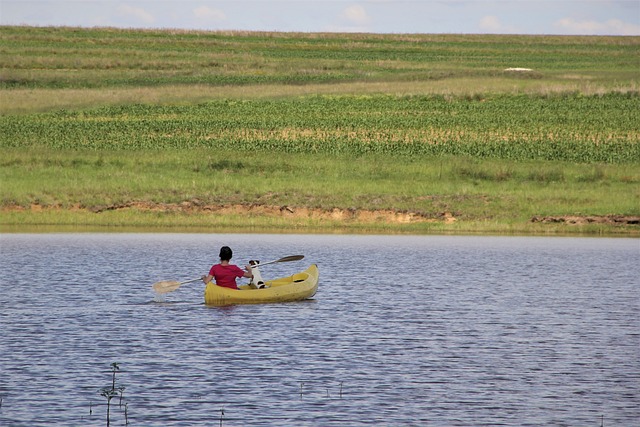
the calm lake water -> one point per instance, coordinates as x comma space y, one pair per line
404, 331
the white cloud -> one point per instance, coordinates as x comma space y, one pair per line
355, 15
209, 14
137, 13
609, 27
352, 19
491, 24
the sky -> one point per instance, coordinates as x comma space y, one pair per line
562, 17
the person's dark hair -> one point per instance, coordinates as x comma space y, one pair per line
225, 253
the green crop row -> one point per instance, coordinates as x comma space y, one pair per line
518, 127
83, 58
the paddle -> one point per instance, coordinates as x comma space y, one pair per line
284, 259
166, 286
170, 285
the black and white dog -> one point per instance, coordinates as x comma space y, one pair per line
256, 281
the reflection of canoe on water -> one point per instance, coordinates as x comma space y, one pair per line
300, 286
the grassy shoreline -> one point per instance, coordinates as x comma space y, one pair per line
172, 191
273, 219
165, 130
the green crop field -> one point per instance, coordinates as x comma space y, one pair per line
106, 127
597, 128
80, 58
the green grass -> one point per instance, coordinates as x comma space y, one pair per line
484, 193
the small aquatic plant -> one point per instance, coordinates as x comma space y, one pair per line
110, 392
309, 390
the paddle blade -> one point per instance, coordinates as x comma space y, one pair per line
291, 258
166, 286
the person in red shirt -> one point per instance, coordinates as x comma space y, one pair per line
226, 273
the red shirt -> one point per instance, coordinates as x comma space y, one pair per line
225, 275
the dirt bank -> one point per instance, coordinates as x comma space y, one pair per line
196, 207
589, 219
335, 214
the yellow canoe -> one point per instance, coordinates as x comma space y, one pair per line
300, 286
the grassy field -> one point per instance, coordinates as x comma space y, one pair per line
52, 68
318, 132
